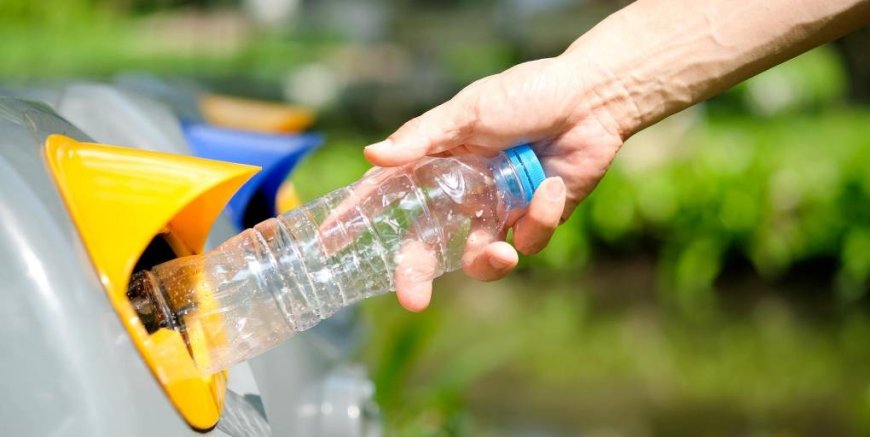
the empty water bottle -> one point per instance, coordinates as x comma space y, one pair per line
287, 273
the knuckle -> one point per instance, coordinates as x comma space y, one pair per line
533, 249
529, 247
491, 277
541, 221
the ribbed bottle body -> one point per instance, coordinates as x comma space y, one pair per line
288, 273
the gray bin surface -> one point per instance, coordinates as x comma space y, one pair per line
72, 369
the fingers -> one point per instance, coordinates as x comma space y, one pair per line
484, 259
414, 275
493, 262
441, 128
417, 267
533, 230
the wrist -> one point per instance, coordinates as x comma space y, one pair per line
603, 95
627, 74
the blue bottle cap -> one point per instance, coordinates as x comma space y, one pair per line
528, 167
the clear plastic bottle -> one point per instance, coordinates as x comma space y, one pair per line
287, 273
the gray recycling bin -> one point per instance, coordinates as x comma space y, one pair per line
77, 370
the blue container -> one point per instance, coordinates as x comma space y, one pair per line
277, 154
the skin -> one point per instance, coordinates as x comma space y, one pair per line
643, 63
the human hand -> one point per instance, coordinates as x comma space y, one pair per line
549, 103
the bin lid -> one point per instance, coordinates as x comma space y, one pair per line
277, 154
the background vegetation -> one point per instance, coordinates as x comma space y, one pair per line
714, 283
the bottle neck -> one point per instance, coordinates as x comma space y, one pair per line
509, 184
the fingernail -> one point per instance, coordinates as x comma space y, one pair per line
381, 146
499, 264
554, 188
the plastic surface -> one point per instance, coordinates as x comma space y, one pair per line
254, 115
120, 199
180, 95
45, 92
314, 397
276, 154
70, 367
112, 115
528, 167
286, 198
339, 405
242, 419
288, 273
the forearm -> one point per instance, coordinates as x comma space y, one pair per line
656, 57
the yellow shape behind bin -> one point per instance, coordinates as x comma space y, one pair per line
254, 115
120, 199
287, 198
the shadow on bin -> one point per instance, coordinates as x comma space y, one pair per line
277, 154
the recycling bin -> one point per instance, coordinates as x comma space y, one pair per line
79, 218
276, 154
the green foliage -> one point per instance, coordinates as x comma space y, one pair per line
466, 63
777, 192
48, 13
59, 39
535, 351
812, 82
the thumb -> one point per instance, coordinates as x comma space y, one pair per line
442, 128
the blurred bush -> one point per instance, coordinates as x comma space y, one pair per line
534, 356
776, 191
